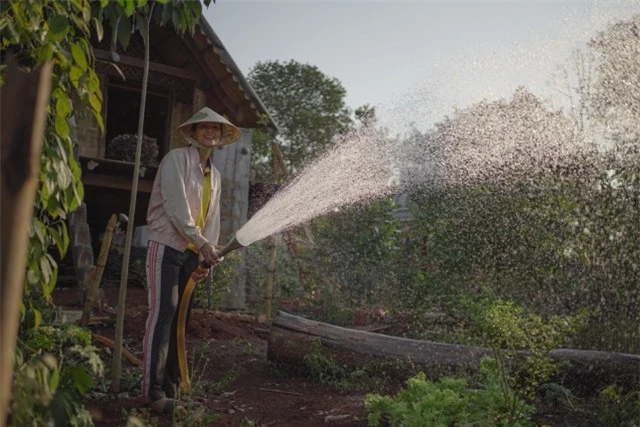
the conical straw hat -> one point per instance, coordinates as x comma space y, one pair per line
230, 133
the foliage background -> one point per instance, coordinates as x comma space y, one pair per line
555, 237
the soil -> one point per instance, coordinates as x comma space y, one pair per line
237, 383
232, 378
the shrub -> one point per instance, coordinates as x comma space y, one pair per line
449, 401
54, 368
617, 408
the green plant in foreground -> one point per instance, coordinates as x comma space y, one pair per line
449, 401
54, 368
617, 408
521, 342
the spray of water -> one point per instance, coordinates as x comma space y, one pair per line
570, 233
358, 169
492, 141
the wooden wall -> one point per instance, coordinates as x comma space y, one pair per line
233, 162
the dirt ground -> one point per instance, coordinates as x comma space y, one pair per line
232, 378
231, 375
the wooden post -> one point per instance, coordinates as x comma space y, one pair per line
271, 273
23, 117
279, 170
94, 275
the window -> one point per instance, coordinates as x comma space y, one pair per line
123, 107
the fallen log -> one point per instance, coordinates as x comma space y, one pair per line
292, 338
125, 353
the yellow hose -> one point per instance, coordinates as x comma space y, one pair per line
200, 271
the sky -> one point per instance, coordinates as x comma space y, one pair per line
416, 61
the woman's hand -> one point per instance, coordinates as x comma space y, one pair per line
209, 253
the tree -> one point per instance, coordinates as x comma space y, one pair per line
308, 107
614, 97
603, 84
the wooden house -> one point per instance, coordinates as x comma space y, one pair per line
186, 73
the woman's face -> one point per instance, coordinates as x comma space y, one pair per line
208, 134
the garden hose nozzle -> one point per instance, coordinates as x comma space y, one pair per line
232, 245
196, 277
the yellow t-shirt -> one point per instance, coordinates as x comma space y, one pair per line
204, 205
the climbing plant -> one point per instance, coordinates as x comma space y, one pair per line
33, 32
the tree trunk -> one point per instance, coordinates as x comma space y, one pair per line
292, 338
23, 117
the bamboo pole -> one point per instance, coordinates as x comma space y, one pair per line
23, 116
279, 171
95, 274
117, 353
271, 274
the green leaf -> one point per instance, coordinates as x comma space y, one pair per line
58, 25
98, 118
61, 237
37, 318
78, 192
142, 3
166, 13
95, 102
63, 174
143, 27
129, 7
80, 23
82, 380
79, 57
93, 84
48, 287
99, 29
123, 32
46, 52
86, 13
54, 380
63, 105
45, 269
104, 3
62, 127
75, 73
33, 278
178, 19
39, 230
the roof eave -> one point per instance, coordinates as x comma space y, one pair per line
226, 58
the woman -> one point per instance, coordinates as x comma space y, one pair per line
183, 222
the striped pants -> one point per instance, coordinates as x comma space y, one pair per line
168, 271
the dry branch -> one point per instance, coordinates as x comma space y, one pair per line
125, 353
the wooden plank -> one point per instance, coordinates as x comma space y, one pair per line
233, 162
23, 116
153, 66
115, 181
